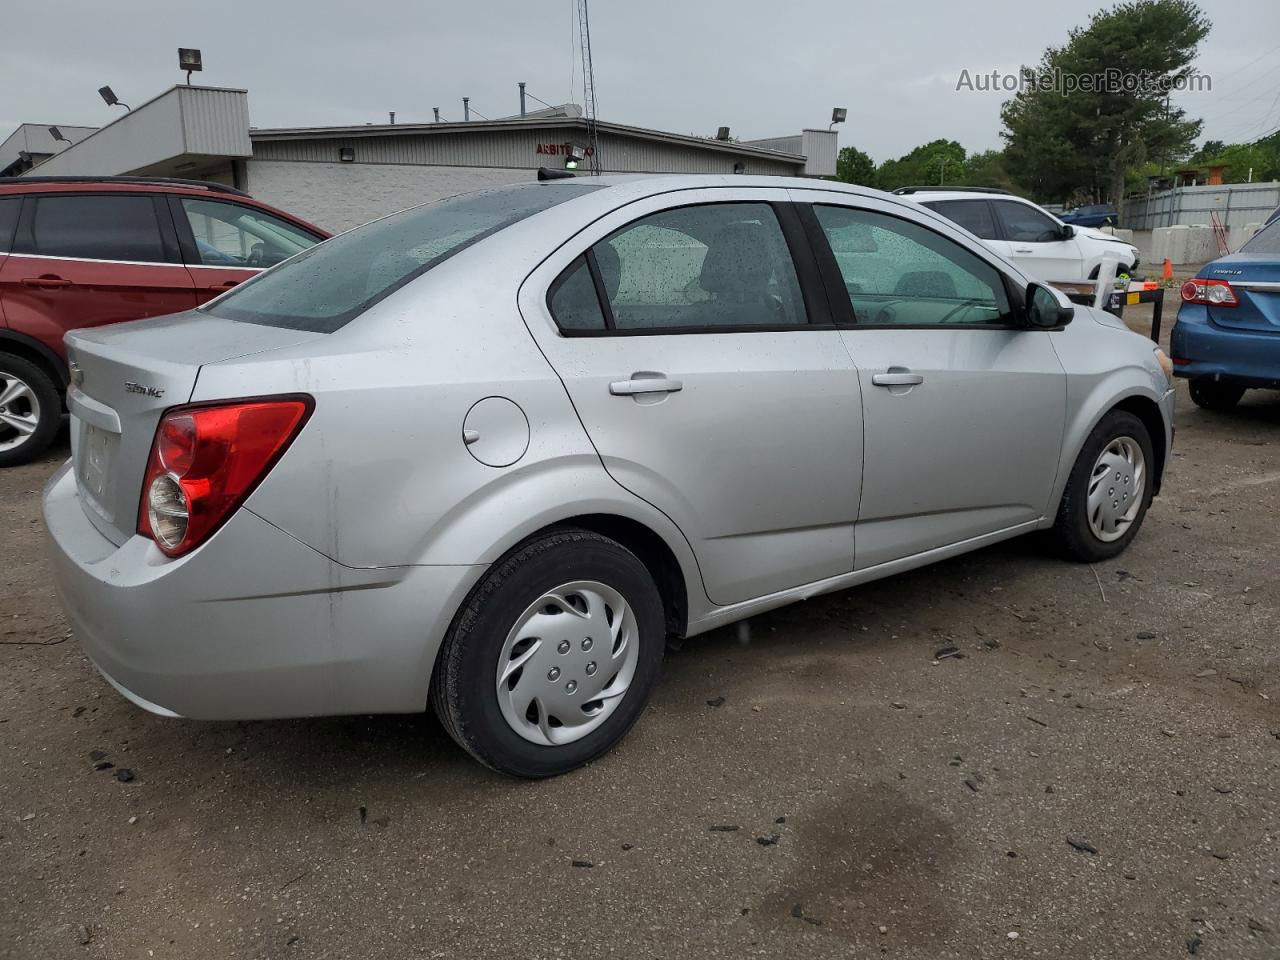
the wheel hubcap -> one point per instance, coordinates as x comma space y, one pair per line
567, 663
19, 411
1117, 488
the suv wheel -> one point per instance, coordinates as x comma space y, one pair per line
1108, 491
553, 657
30, 410
1214, 394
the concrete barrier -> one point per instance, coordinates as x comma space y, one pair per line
1183, 244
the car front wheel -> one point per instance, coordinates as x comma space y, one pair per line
1214, 394
1108, 491
553, 657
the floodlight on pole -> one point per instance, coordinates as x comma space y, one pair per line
189, 60
109, 96
56, 133
838, 115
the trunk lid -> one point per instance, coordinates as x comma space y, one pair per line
1255, 278
123, 377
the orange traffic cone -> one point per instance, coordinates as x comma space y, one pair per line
1167, 273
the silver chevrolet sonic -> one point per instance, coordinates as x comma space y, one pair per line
491, 453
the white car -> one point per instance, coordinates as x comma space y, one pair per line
1033, 238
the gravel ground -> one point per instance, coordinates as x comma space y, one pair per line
1096, 775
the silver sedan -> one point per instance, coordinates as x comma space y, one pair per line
490, 453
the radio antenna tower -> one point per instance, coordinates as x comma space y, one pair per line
588, 87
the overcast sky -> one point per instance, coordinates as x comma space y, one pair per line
689, 66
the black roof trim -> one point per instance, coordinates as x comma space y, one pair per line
159, 181
905, 190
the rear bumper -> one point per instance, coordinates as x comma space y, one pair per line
1244, 357
251, 625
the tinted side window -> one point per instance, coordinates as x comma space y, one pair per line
233, 235
98, 228
328, 285
703, 267
9, 207
899, 272
1026, 224
973, 215
573, 299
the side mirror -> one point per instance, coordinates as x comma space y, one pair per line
1068, 231
1044, 310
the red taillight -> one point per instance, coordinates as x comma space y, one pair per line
1212, 293
206, 459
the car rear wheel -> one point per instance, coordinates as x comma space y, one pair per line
1108, 491
553, 657
30, 411
1214, 394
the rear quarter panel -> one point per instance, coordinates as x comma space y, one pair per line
380, 476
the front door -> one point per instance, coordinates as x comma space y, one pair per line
963, 411
701, 359
225, 243
1034, 241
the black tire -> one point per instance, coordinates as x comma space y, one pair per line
463, 686
1214, 394
49, 401
1071, 530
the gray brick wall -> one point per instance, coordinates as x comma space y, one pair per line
337, 196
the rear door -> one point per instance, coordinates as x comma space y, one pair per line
696, 345
1033, 240
225, 242
974, 215
963, 411
85, 259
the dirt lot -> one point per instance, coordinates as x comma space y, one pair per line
1097, 776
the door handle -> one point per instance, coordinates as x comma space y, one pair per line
896, 379
1023, 250
638, 385
47, 283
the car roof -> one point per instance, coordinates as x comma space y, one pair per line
929, 195
143, 184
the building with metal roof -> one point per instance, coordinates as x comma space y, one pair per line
341, 176
34, 143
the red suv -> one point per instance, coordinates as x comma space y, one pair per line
83, 251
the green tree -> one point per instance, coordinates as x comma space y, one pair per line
986, 169
854, 166
1062, 141
1259, 160
1211, 150
931, 164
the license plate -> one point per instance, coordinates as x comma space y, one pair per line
95, 461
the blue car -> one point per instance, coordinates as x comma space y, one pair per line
1227, 335
1091, 215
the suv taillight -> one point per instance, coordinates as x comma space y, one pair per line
206, 459
1212, 293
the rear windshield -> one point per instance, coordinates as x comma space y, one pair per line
1266, 240
325, 287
